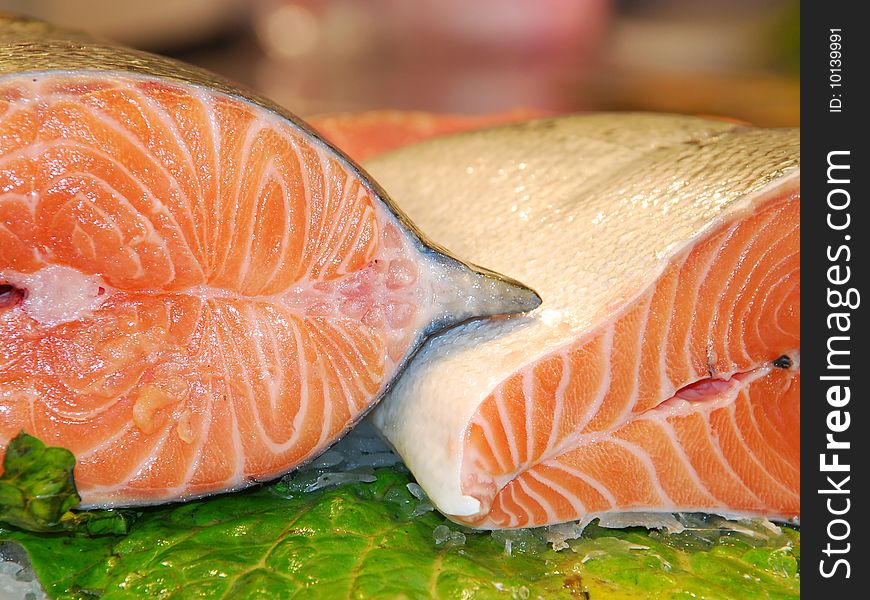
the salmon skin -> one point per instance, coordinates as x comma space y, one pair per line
196, 291
662, 371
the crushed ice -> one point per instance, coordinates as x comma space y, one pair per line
352, 459
333, 479
444, 536
17, 579
700, 525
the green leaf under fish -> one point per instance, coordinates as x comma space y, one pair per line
38, 493
369, 540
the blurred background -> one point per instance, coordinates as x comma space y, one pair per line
735, 58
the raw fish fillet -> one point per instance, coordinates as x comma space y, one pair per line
662, 371
196, 292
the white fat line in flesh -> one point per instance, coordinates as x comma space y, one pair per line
725, 285
153, 236
227, 204
258, 421
81, 234
34, 150
321, 207
700, 278
256, 335
793, 283
782, 464
30, 200
713, 437
206, 103
326, 402
110, 220
370, 216
519, 509
121, 198
184, 201
774, 447
287, 227
512, 515
167, 119
313, 212
338, 204
142, 468
336, 359
680, 451
506, 424
606, 357
220, 328
635, 381
504, 522
196, 453
82, 415
246, 380
111, 440
739, 321
348, 227
641, 455
666, 386
558, 400
355, 242
164, 117
372, 376
10, 233
251, 134
576, 504
497, 450
256, 218
31, 399
730, 410
592, 482
302, 365
770, 289
348, 202
342, 222
238, 475
741, 261
528, 397
251, 221
485, 425
266, 329
360, 379
549, 510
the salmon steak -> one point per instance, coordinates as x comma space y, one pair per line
196, 291
662, 371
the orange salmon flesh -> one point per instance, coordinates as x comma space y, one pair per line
195, 294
